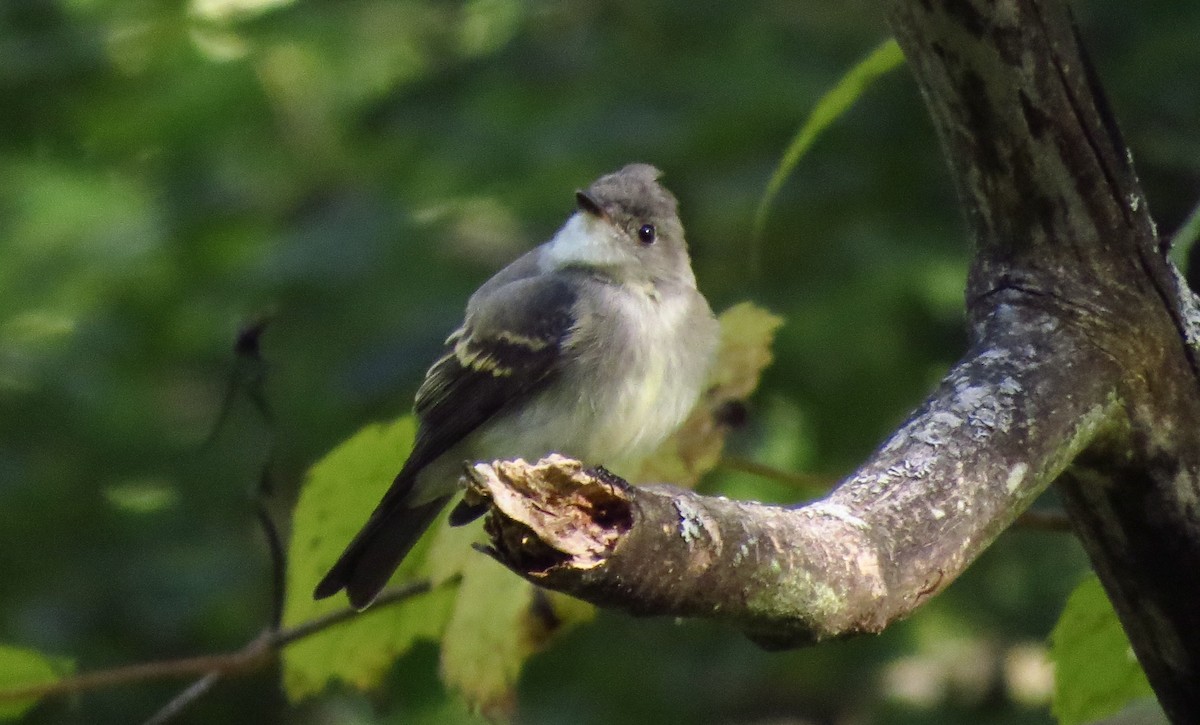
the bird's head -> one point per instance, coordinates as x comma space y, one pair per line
627, 227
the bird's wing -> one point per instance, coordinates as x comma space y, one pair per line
508, 348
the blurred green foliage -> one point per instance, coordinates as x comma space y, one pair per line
352, 169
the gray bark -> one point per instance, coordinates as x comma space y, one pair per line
1082, 370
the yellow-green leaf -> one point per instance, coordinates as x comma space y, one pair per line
1095, 671
450, 550
487, 639
498, 620
338, 495
21, 667
747, 333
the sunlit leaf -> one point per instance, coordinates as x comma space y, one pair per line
1096, 673
747, 332
218, 43
487, 639
21, 667
833, 104
450, 550
341, 490
498, 620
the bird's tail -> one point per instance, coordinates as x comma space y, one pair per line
368, 562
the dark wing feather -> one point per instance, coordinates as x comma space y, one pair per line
508, 349
494, 361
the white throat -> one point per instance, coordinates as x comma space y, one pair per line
584, 241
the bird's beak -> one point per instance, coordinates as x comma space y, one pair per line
588, 204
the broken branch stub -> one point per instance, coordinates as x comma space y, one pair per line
554, 513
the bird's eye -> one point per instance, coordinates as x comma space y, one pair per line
647, 234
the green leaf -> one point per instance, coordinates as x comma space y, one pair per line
488, 639
20, 667
833, 104
1095, 671
450, 551
1185, 238
497, 620
338, 495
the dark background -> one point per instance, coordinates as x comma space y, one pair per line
353, 169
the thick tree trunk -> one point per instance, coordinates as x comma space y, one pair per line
1060, 220
1082, 369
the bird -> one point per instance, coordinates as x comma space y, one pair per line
594, 345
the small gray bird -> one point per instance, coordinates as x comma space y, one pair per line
594, 345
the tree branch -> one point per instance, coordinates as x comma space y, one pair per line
1002, 426
1058, 213
256, 654
812, 483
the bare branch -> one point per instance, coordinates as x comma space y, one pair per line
812, 483
805, 483
254, 655
1002, 426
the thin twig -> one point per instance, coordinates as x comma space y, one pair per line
1044, 521
808, 482
247, 374
254, 655
278, 555
176, 705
